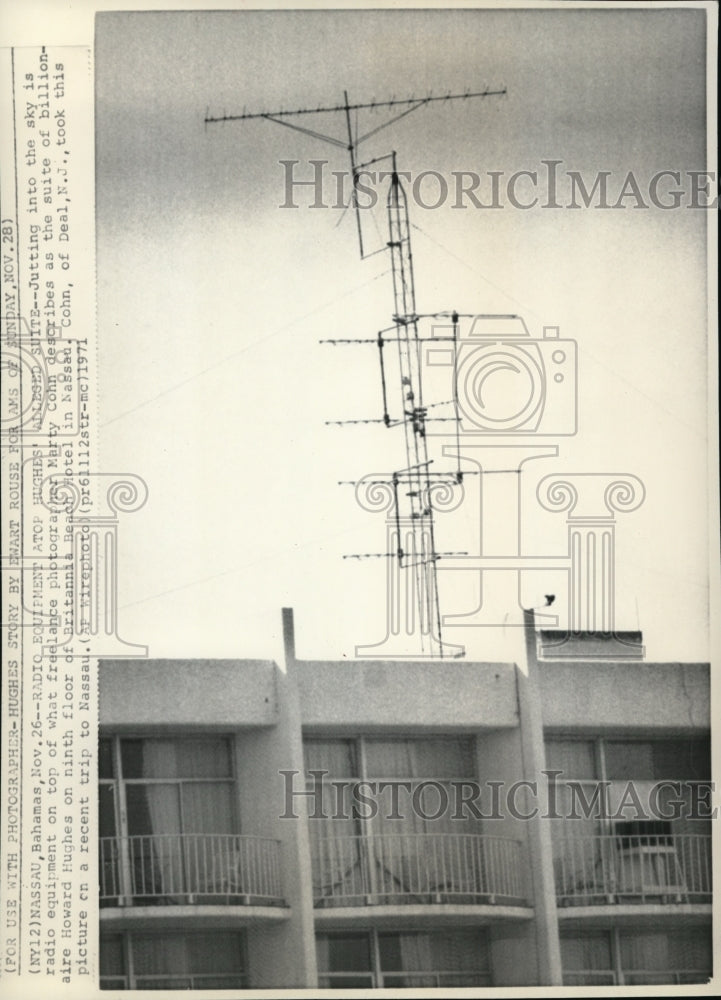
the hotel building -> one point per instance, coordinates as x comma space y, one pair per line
237, 850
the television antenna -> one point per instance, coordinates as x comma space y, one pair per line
413, 485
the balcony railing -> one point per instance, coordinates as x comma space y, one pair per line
190, 868
669, 868
394, 980
162, 981
607, 977
417, 868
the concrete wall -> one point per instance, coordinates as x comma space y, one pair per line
224, 694
371, 693
625, 695
499, 758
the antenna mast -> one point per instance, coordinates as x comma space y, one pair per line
413, 482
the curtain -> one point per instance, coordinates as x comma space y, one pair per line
398, 845
416, 956
583, 850
322, 951
629, 760
339, 865
427, 850
654, 760
349, 957
455, 958
214, 954
334, 756
109, 872
161, 961
168, 961
692, 949
163, 803
645, 958
199, 758
575, 758
215, 861
656, 957
207, 807
106, 761
584, 954
112, 958
343, 952
419, 758
462, 950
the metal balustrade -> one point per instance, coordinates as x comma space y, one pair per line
190, 868
395, 980
368, 869
589, 977
610, 868
655, 978
206, 980
607, 977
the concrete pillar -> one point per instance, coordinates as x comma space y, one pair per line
539, 829
282, 955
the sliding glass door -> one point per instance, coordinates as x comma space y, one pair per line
407, 840
166, 815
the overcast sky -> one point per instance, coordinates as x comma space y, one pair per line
212, 300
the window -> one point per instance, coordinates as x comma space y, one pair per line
173, 961
344, 961
409, 842
628, 825
656, 760
403, 959
576, 759
166, 815
650, 958
637, 958
455, 958
630, 760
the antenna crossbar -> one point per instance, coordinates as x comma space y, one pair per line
367, 105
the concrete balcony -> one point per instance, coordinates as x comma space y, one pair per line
421, 869
609, 869
191, 869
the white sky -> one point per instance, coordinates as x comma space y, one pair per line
212, 300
